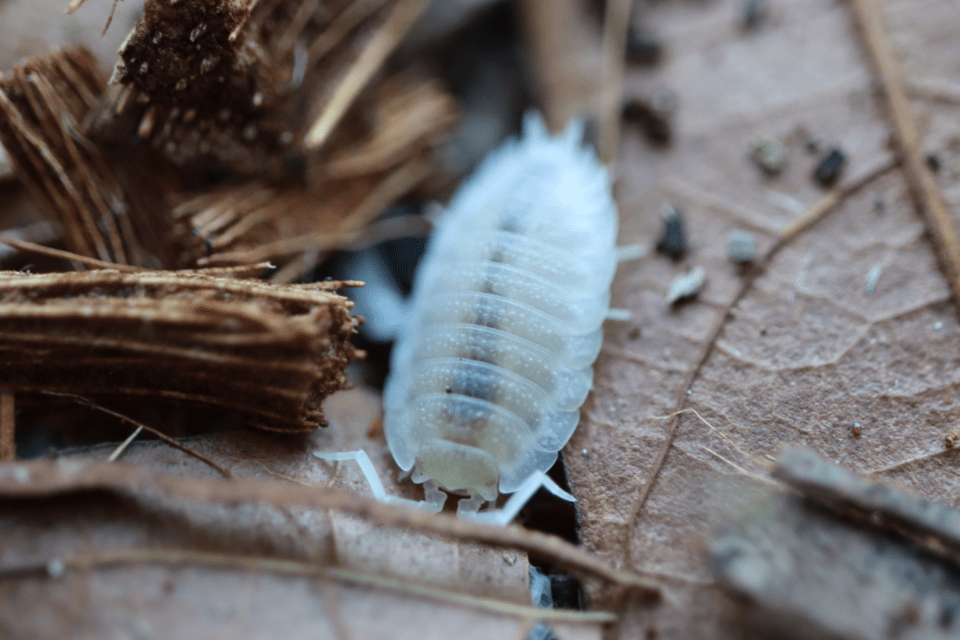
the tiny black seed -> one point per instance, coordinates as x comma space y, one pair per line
829, 167
673, 239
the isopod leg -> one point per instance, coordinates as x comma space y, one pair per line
519, 498
376, 486
632, 251
619, 315
434, 497
469, 506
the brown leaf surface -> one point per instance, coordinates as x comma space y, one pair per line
378, 578
807, 351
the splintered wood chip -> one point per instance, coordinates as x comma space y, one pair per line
370, 165
43, 104
237, 84
254, 222
268, 353
808, 571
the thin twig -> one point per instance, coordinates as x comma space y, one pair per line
92, 560
31, 247
616, 21
123, 445
51, 477
923, 189
368, 63
807, 219
8, 425
171, 441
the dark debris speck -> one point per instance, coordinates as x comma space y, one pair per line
643, 47
828, 169
673, 239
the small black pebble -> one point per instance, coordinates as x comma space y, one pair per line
642, 46
829, 167
673, 240
652, 115
933, 161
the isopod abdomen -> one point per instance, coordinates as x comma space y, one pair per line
489, 373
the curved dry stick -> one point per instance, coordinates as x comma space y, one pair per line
113, 557
170, 441
43, 478
32, 247
821, 208
926, 195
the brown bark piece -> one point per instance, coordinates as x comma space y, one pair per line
269, 353
804, 571
808, 349
566, 53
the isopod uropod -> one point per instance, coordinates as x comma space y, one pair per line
496, 357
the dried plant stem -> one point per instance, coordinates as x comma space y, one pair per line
923, 189
42, 478
93, 560
350, 228
31, 247
8, 426
567, 56
343, 24
616, 21
126, 443
369, 62
803, 222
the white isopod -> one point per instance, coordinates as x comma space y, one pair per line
495, 356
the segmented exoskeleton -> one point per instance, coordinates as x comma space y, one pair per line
496, 357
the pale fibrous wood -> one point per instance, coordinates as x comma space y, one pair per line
43, 104
360, 176
269, 353
250, 87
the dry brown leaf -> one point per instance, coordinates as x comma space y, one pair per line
262, 570
270, 353
808, 351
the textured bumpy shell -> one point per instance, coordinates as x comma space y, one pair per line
508, 306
